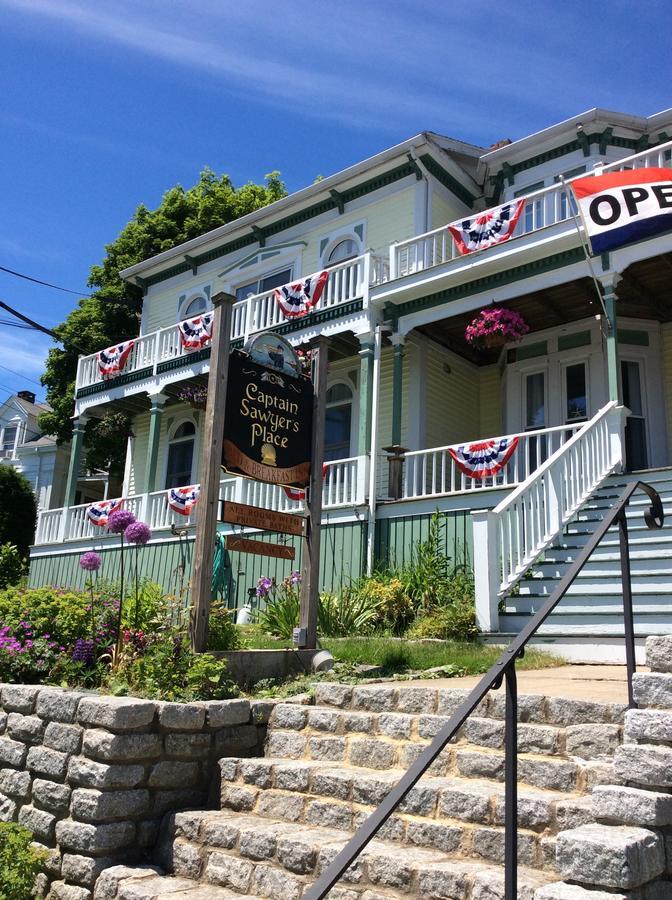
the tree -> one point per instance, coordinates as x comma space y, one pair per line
18, 509
112, 313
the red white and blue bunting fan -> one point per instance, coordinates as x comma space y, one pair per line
197, 332
113, 359
182, 500
100, 512
483, 459
297, 299
487, 228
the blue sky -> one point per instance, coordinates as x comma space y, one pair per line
107, 104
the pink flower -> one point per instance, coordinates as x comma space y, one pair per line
120, 520
90, 561
137, 533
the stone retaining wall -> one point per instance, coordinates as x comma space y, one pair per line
91, 776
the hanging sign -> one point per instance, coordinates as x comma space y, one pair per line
269, 420
264, 519
261, 548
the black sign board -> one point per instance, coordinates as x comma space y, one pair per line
268, 425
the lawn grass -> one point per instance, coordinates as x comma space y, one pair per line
394, 655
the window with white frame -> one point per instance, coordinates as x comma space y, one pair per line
264, 283
342, 244
179, 465
338, 424
343, 251
8, 440
195, 303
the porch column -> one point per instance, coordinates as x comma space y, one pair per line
366, 357
158, 402
76, 448
398, 342
609, 285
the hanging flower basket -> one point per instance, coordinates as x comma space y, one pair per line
196, 397
494, 327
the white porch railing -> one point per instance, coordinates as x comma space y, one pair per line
510, 537
543, 208
433, 472
344, 484
347, 281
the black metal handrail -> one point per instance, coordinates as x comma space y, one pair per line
505, 670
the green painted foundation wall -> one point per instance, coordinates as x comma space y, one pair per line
396, 538
342, 559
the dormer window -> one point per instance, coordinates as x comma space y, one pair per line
194, 303
344, 250
195, 307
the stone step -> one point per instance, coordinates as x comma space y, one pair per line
279, 859
148, 883
428, 703
439, 812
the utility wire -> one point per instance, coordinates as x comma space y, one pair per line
56, 287
13, 324
25, 378
39, 327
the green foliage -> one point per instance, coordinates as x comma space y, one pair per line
63, 614
385, 592
222, 632
425, 578
280, 616
20, 862
453, 621
18, 510
12, 565
112, 313
349, 612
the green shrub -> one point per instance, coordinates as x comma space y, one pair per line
393, 606
280, 616
425, 578
18, 509
452, 621
61, 613
347, 613
222, 631
20, 862
12, 565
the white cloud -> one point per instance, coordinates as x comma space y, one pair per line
25, 355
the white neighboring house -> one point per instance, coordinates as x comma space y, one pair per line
38, 457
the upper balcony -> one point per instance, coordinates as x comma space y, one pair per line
412, 268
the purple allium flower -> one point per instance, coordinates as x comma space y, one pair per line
83, 651
138, 533
120, 520
90, 561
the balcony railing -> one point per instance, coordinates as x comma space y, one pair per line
543, 208
434, 472
347, 281
344, 485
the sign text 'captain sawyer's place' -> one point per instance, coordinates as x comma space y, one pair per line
268, 426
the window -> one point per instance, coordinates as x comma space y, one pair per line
195, 307
8, 440
571, 208
533, 209
181, 455
338, 422
261, 285
576, 394
345, 249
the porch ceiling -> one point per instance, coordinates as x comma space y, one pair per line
643, 293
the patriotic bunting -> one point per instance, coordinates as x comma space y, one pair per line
299, 298
298, 493
487, 228
182, 500
113, 359
197, 332
100, 512
483, 458
624, 206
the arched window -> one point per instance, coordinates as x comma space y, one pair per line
194, 307
181, 455
338, 422
345, 249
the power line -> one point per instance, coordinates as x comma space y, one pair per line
25, 377
38, 327
56, 287
13, 324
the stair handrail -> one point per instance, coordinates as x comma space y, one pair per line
504, 669
529, 519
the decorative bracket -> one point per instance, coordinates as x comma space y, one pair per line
259, 235
338, 200
191, 261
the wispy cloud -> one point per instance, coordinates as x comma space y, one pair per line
25, 355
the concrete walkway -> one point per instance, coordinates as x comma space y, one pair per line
599, 683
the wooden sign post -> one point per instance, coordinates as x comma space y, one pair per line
310, 560
213, 435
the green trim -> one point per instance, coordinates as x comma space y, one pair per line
337, 197
497, 279
570, 341
297, 218
631, 336
120, 380
571, 147
180, 361
316, 318
528, 351
447, 179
